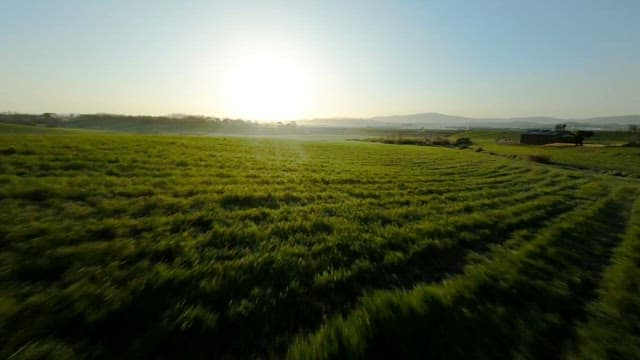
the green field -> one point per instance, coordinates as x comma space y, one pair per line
148, 246
612, 159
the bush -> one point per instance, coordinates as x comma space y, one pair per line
463, 142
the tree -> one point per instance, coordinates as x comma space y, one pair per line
560, 127
633, 128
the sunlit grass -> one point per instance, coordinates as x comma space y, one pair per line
157, 246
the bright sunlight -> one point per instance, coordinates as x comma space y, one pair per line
267, 86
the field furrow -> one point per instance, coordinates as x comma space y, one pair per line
523, 303
611, 328
116, 246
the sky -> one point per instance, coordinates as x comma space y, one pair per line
283, 60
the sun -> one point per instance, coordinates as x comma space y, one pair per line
267, 86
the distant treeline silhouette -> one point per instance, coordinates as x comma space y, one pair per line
114, 122
193, 124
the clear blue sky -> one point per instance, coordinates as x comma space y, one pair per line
335, 58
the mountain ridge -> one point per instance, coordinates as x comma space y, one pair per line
440, 120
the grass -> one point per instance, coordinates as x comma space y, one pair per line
615, 159
26, 129
610, 330
141, 246
523, 303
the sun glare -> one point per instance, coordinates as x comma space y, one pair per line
267, 86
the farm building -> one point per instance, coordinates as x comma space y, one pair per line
541, 137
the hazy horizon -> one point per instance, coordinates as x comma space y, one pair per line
382, 116
277, 60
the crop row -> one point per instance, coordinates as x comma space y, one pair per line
152, 246
525, 302
611, 328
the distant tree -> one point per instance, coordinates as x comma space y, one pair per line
633, 128
581, 135
560, 127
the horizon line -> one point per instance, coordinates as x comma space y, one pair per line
178, 114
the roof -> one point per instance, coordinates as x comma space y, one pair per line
546, 132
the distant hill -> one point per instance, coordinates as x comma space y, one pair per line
188, 124
444, 121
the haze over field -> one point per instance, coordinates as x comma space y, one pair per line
283, 60
443, 121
